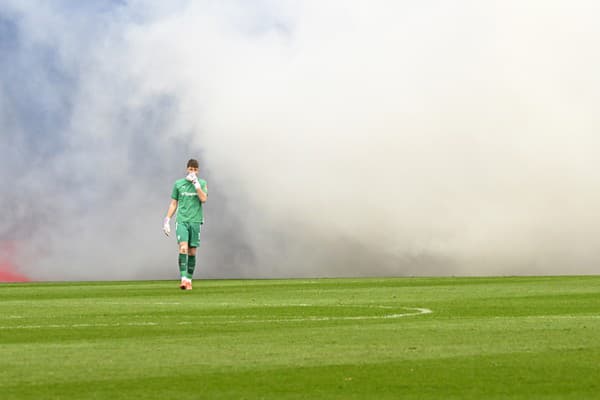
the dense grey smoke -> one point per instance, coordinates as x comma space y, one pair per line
338, 138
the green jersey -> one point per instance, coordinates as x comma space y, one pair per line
189, 206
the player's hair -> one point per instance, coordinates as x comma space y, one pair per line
192, 163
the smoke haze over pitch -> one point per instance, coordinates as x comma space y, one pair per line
338, 138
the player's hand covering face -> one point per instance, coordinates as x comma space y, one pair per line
191, 177
194, 179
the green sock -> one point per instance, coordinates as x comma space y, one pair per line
191, 265
183, 265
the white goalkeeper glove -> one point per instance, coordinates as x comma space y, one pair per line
194, 179
167, 226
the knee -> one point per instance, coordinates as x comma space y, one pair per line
183, 249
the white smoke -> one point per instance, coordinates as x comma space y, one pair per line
345, 137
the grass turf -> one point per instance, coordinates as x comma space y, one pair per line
492, 338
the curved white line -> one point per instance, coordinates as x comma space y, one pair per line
417, 311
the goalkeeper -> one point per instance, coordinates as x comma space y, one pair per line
188, 196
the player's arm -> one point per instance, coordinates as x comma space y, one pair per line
172, 208
167, 220
202, 195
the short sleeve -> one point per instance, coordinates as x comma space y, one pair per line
175, 193
204, 187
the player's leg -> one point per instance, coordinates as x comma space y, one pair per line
193, 245
191, 266
182, 240
183, 263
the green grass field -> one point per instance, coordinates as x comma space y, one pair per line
485, 338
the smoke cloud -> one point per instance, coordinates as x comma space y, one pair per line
338, 138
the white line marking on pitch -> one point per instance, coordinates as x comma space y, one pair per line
419, 311
98, 325
250, 304
416, 311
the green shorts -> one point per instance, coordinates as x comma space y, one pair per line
188, 232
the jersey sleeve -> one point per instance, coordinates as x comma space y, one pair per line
204, 186
175, 193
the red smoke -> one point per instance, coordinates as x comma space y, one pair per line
8, 270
